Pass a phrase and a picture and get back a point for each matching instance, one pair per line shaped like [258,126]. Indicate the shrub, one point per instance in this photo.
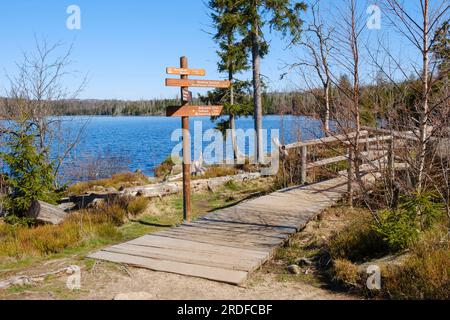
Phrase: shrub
[401,227]
[30,175]
[397,228]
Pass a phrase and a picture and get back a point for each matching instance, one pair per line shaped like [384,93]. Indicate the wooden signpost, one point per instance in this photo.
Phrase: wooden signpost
[186,71]
[185,111]
[194,111]
[197,83]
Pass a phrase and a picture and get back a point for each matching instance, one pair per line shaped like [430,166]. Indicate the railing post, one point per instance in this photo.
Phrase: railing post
[350,176]
[391,161]
[304,157]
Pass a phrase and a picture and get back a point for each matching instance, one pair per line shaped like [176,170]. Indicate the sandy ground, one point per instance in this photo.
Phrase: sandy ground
[157,285]
[106,281]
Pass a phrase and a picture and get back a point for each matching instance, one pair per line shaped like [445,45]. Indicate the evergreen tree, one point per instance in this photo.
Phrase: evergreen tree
[441,49]
[233,55]
[30,176]
[280,15]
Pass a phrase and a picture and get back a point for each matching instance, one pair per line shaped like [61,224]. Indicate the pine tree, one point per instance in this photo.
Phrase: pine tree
[30,176]
[282,16]
[233,60]
[441,48]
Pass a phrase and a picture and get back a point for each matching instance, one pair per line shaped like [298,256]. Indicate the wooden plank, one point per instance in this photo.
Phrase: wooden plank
[185,71]
[211,273]
[374,139]
[273,204]
[227,233]
[276,207]
[338,138]
[255,241]
[221,242]
[210,227]
[266,231]
[160,241]
[192,256]
[198,83]
[263,219]
[326,162]
[194,111]
[259,219]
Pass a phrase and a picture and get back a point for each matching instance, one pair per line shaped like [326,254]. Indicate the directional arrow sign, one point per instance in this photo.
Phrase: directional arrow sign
[194,111]
[197,83]
[186,72]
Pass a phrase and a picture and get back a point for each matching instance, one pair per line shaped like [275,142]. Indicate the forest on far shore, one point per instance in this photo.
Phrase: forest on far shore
[303,103]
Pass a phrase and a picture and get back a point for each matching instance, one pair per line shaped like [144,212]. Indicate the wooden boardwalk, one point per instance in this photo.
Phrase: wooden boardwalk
[227,245]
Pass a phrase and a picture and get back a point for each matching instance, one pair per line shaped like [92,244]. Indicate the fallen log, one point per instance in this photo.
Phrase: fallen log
[169,188]
[46,213]
[153,191]
[31,280]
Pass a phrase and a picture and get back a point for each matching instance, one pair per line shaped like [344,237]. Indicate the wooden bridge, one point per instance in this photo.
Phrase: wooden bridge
[229,244]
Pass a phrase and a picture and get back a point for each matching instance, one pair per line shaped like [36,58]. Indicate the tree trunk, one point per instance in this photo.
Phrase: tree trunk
[356,111]
[327,110]
[257,93]
[232,116]
[233,136]
[424,113]
[46,213]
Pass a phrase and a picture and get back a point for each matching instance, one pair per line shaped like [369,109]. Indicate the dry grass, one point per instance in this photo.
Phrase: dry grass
[20,242]
[425,274]
[218,171]
[78,229]
[345,272]
[137,206]
[165,168]
[358,242]
[116,181]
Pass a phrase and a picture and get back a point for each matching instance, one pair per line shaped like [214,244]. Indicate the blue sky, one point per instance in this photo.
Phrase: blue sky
[123,46]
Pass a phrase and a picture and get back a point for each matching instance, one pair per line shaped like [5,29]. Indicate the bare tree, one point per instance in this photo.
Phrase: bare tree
[32,100]
[421,34]
[318,44]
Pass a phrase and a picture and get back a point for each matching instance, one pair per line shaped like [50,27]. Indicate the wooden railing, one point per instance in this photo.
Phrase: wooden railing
[346,140]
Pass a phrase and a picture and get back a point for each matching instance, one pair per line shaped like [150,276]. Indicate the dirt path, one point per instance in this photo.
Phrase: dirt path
[166,286]
[105,282]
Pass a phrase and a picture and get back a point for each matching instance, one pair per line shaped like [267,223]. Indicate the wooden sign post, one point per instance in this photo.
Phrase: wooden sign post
[185,111]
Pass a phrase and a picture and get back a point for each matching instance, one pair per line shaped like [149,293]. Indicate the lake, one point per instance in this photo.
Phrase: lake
[132,143]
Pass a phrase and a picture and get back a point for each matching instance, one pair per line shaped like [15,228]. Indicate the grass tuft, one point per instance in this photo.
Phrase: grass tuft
[137,206]
[116,181]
